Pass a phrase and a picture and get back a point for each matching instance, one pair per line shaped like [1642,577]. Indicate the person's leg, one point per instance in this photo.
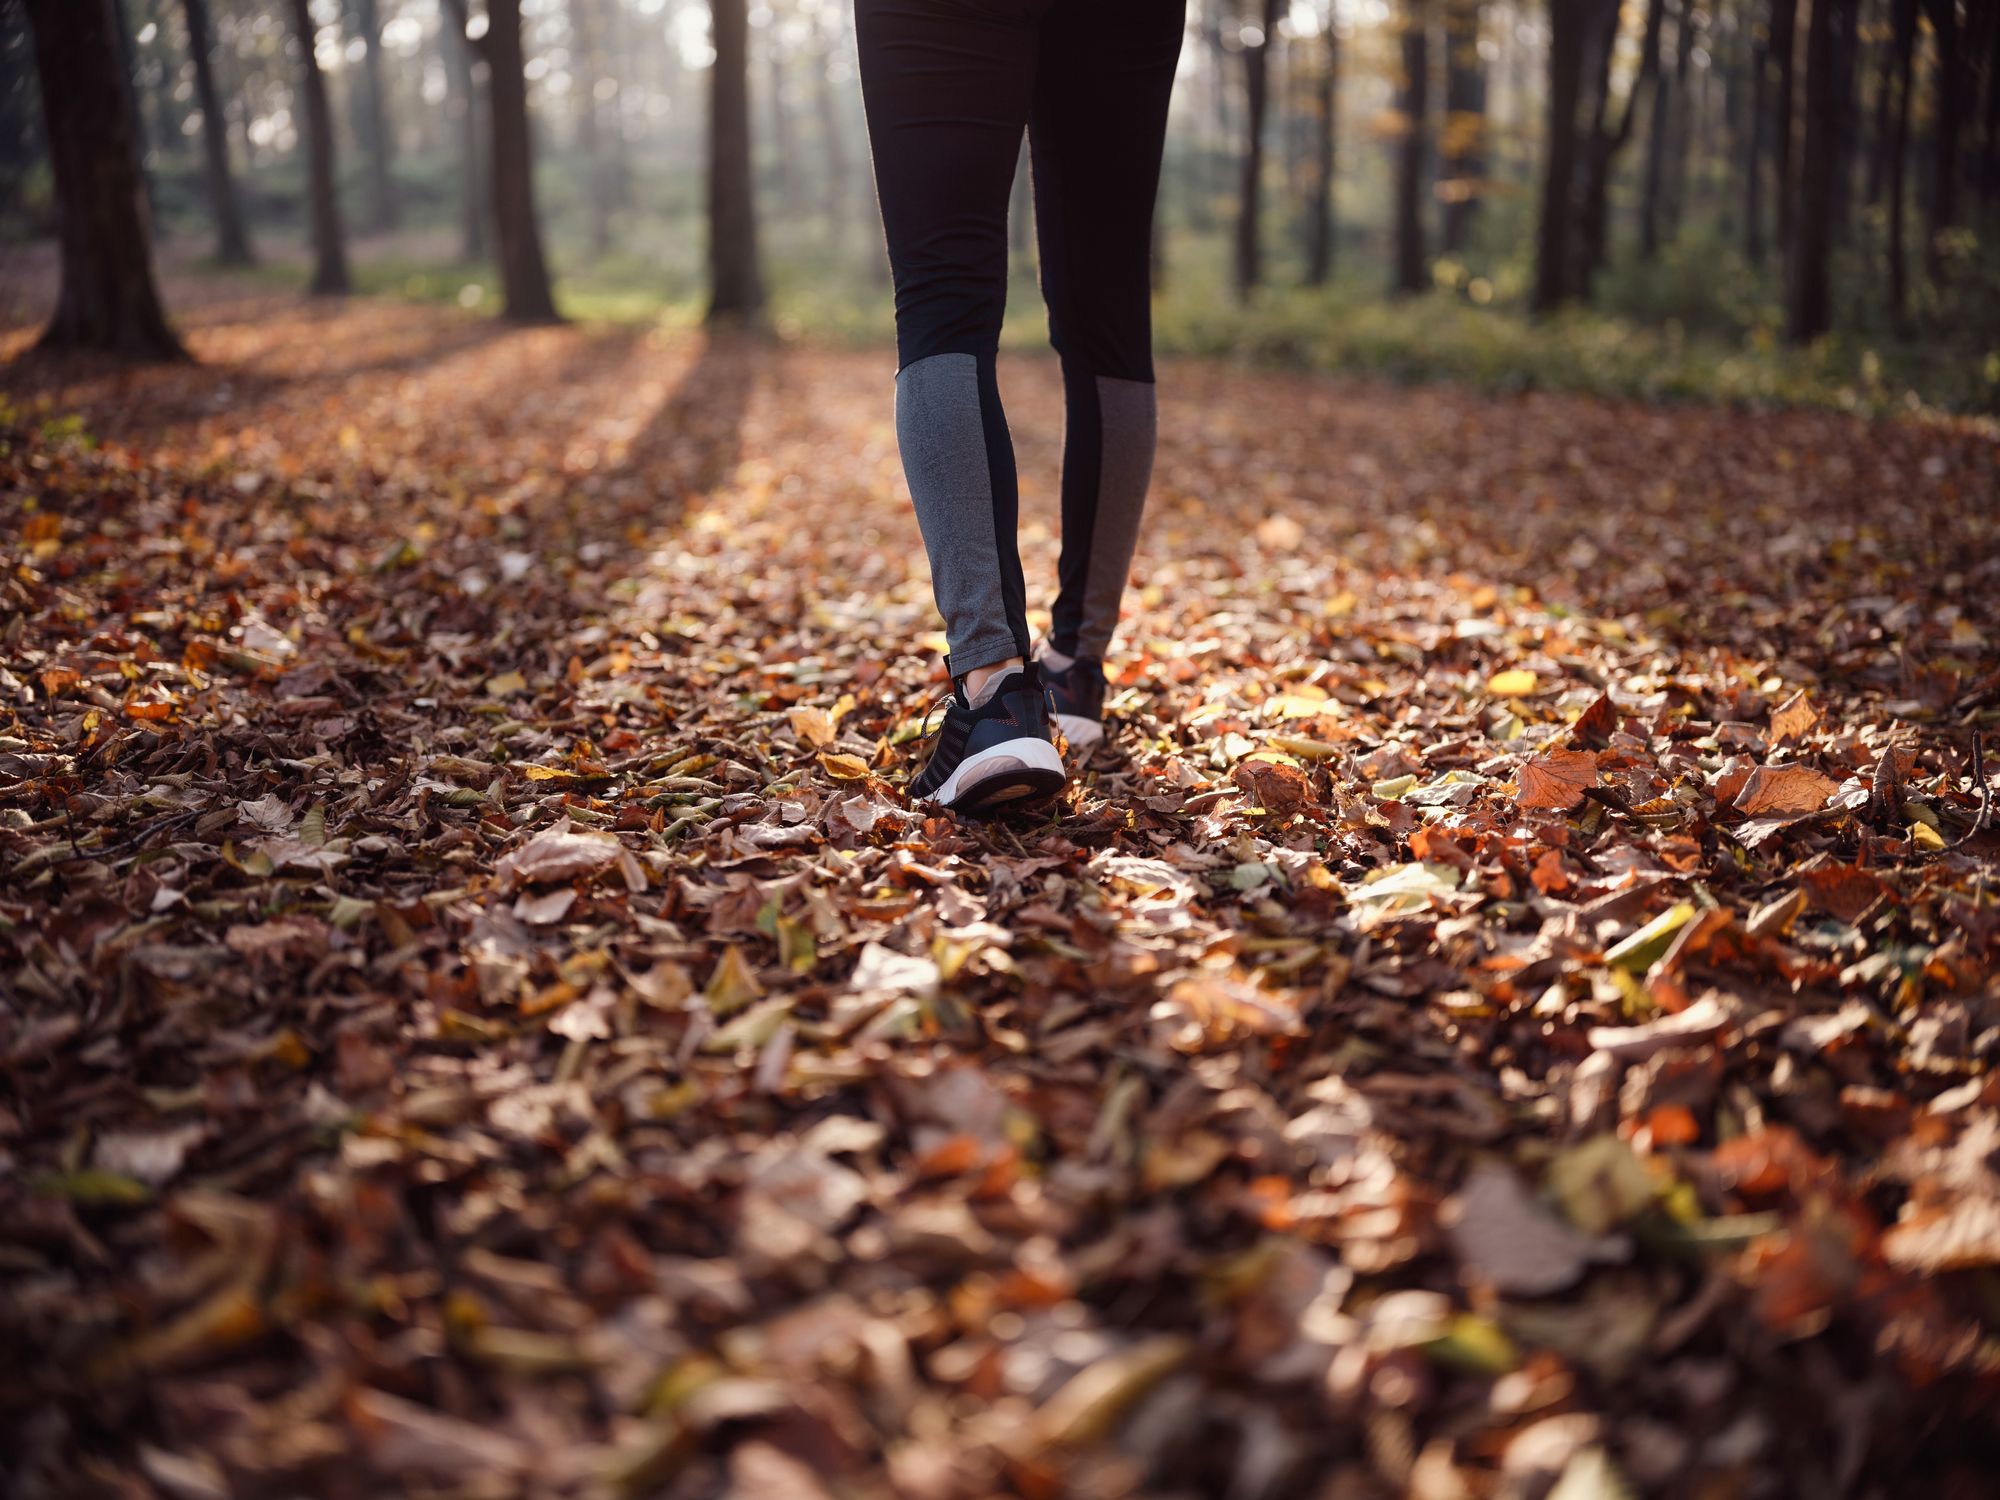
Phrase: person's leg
[1096,132]
[946,85]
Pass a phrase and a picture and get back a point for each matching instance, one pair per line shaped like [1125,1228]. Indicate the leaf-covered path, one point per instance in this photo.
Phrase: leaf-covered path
[1514,1004]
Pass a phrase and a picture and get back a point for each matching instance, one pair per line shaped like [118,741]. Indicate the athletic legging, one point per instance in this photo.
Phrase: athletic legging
[949,87]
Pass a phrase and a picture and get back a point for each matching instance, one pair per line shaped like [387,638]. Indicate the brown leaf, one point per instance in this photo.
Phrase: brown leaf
[1785,791]
[1556,780]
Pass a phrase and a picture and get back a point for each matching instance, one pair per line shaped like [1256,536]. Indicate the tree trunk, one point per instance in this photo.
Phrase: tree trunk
[1945,127]
[1604,140]
[1753,169]
[1414,106]
[1878,139]
[108,300]
[590,67]
[1808,292]
[128,82]
[1250,188]
[736,282]
[475,208]
[372,119]
[232,243]
[524,274]
[1905,45]
[1464,122]
[1681,122]
[1784,31]
[329,277]
[1656,157]
[1568,21]
[833,141]
[1319,210]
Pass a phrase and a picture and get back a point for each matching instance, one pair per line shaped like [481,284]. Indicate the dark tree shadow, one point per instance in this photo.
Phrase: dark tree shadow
[692,443]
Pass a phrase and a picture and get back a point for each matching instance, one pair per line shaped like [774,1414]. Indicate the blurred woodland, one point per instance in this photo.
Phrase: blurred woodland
[1508,1013]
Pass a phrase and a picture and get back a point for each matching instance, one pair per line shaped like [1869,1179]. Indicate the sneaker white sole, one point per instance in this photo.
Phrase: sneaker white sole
[1083,734]
[1023,757]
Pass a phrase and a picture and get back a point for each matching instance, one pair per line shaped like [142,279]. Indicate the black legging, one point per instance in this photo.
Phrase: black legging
[949,87]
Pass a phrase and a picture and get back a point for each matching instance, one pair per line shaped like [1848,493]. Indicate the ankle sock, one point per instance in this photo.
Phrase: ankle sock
[993,685]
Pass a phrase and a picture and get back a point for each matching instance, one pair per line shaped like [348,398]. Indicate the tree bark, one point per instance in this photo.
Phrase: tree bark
[1249,264]
[372,118]
[524,274]
[833,141]
[1656,158]
[1681,121]
[1753,168]
[1905,45]
[475,209]
[736,281]
[108,300]
[1568,21]
[232,242]
[1945,127]
[1603,140]
[1412,271]
[590,67]
[1464,122]
[1784,37]
[1319,209]
[1808,291]
[329,278]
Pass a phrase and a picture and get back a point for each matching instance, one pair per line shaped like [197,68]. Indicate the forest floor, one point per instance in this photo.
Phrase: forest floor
[1511,1010]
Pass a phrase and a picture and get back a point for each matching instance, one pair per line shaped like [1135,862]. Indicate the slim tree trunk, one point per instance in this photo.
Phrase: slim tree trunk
[1464,122]
[1681,121]
[1656,159]
[1753,167]
[372,116]
[329,278]
[1784,37]
[524,274]
[736,281]
[1319,210]
[1250,189]
[590,68]
[833,141]
[1603,139]
[1568,21]
[1905,44]
[1808,292]
[232,243]
[1885,102]
[108,300]
[1414,106]
[1945,127]
[475,210]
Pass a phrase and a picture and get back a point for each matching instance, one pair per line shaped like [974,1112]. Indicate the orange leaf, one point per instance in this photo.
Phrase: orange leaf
[1794,717]
[1556,780]
[1845,891]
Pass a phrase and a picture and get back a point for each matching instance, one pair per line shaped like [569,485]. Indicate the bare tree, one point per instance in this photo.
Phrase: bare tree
[1947,123]
[462,66]
[1413,103]
[1569,25]
[1249,262]
[232,241]
[1603,139]
[1808,290]
[329,278]
[1319,206]
[524,274]
[371,119]
[1904,45]
[1463,143]
[736,281]
[108,300]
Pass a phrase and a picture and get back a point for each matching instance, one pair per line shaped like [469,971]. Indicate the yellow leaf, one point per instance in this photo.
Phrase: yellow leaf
[1926,836]
[733,985]
[813,725]
[506,685]
[1515,682]
[843,767]
[547,773]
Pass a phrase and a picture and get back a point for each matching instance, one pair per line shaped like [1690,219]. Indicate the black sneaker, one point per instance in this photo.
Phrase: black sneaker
[1078,693]
[997,755]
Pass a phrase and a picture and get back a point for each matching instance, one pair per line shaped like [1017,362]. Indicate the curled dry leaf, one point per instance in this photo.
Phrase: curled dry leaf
[553,855]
